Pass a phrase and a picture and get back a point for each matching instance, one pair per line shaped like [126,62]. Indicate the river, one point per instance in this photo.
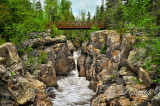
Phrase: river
[72,90]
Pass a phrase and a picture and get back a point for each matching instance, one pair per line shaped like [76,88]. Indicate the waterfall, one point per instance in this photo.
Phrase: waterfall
[72,90]
[76,55]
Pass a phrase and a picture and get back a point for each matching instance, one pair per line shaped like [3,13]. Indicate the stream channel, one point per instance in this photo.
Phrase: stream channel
[73,90]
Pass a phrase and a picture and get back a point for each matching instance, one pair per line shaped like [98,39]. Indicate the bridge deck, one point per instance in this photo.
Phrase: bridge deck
[78,24]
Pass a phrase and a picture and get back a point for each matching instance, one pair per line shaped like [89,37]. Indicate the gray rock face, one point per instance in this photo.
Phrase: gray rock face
[57,51]
[37,42]
[47,74]
[8,54]
[58,54]
[124,101]
[104,76]
[144,77]
[87,65]
[17,89]
[97,39]
[33,35]
[125,72]
[112,92]
[70,46]
[81,65]
[128,41]
[130,80]
[121,64]
[18,85]
[156,100]
[134,57]
[157,90]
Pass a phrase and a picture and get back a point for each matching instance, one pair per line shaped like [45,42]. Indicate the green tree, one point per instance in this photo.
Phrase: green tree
[89,16]
[102,12]
[5,17]
[66,11]
[83,15]
[51,7]
[98,13]
[136,16]
[112,6]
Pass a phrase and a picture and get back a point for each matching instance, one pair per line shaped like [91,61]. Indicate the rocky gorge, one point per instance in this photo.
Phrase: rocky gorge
[108,60]
[112,62]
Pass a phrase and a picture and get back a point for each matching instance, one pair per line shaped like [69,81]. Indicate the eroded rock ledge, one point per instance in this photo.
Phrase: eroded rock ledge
[117,76]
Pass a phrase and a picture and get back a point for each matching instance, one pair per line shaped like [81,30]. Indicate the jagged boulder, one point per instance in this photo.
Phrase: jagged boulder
[130,80]
[155,101]
[145,77]
[113,42]
[85,47]
[88,66]
[33,35]
[112,92]
[128,41]
[46,73]
[17,87]
[98,39]
[125,72]
[23,90]
[124,101]
[70,46]
[135,59]
[58,54]
[81,65]
[8,54]
[37,42]
[104,76]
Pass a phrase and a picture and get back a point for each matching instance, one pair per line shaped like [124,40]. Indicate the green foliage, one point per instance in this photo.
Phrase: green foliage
[135,15]
[55,32]
[21,52]
[86,33]
[56,10]
[147,64]
[18,18]
[157,80]
[28,50]
[4,17]
[2,41]
[13,73]
[137,58]
[83,34]
[94,28]
[137,81]
[42,59]
[30,61]
[103,49]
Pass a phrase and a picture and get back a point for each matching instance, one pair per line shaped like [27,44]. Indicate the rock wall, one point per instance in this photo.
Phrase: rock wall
[24,78]
[15,87]
[117,76]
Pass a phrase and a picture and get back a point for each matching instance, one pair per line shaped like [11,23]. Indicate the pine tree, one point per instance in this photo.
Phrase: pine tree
[111,7]
[89,16]
[98,14]
[83,15]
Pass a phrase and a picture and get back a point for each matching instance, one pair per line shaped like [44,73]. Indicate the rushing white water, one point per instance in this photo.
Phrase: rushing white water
[72,90]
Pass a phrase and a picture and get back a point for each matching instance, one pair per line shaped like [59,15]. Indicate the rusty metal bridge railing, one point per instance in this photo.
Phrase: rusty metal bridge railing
[78,24]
